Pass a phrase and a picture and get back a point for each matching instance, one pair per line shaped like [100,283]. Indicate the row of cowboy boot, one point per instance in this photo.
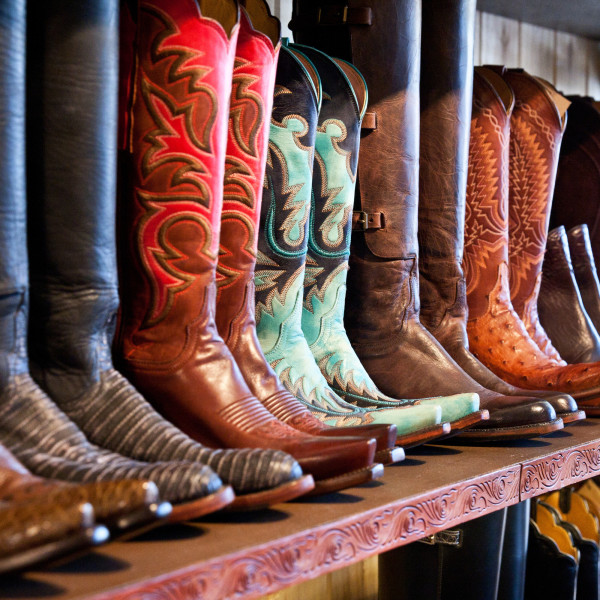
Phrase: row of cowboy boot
[516,130]
[32,426]
[304,246]
[382,306]
[187,202]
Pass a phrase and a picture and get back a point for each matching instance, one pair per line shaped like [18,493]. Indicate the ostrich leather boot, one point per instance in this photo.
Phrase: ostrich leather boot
[446,97]
[343,461]
[497,336]
[560,306]
[171,204]
[584,267]
[577,190]
[282,249]
[32,426]
[337,143]
[382,304]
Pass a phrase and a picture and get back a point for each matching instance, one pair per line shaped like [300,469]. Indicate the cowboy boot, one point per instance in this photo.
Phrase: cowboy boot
[282,246]
[334,175]
[536,126]
[462,563]
[37,532]
[584,267]
[40,435]
[514,552]
[123,506]
[168,343]
[446,98]
[497,336]
[382,304]
[560,306]
[343,461]
[576,197]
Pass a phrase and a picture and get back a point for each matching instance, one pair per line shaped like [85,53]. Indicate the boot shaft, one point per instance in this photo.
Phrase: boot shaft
[248,135]
[536,128]
[172,206]
[389,32]
[446,89]
[486,219]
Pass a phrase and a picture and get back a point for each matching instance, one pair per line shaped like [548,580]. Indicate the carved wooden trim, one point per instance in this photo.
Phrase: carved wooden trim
[558,470]
[283,562]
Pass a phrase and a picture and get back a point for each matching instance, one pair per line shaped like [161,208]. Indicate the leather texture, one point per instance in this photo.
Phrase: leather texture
[536,128]
[401,571]
[168,342]
[576,198]
[110,499]
[282,249]
[584,267]
[560,305]
[550,573]
[35,524]
[497,336]
[252,98]
[382,303]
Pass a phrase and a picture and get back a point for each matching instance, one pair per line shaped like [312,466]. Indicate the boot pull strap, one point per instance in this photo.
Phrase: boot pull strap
[369,121]
[363,221]
[335,15]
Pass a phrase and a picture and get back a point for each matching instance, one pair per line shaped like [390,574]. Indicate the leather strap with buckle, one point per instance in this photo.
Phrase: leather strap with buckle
[363,221]
[449,537]
[334,15]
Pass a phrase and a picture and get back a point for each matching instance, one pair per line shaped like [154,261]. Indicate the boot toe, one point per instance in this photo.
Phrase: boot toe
[455,407]
[526,414]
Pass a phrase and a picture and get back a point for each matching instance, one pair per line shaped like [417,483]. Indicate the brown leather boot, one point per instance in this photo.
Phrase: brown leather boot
[121,505]
[560,306]
[382,306]
[335,463]
[497,336]
[446,98]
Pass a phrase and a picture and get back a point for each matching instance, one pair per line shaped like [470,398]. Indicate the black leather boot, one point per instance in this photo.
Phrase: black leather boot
[458,564]
[514,552]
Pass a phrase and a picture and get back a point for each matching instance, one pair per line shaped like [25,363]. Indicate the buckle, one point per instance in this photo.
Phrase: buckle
[332,15]
[449,537]
[362,221]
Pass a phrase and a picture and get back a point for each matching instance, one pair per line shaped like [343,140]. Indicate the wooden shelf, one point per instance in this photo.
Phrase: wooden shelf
[252,554]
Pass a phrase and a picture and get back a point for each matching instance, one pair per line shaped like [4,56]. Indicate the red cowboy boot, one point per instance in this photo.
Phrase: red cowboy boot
[168,341]
[497,335]
[344,461]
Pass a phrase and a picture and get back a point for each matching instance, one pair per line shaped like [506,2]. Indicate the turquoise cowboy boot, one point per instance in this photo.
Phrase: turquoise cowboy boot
[282,247]
[337,144]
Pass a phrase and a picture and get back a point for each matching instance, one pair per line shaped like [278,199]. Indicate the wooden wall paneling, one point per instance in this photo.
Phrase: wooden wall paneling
[593,69]
[537,50]
[570,61]
[499,40]
[477,42]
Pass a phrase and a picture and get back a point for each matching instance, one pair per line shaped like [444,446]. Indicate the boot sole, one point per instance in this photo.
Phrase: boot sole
[389,456]
[139,521]
[202,506]
[574,416]
[591,412]
[522,432]
[422,436]
[347,480]
[266,498]
[465,422]
[58,552]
